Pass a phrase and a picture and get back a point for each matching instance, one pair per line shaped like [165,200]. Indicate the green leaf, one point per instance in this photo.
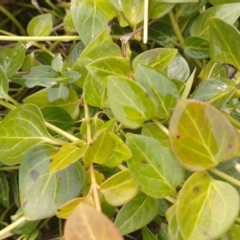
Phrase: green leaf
[158,9]
[178,68]
[119,188]
[102,68]
[227,12]
[162,88]
[95,93]
[213,70]
[91,18]
[41,25]
[4,194]
[57,116]
[147,234]
[130,102]
[29,62]
[218,2]
[233,233]
[173,226]
[120,152]
[137,213]
[151,130]
[43,192]
[57,63]
[223,41]
[216,91]
[196,47]
[198,207]
[42,75]
[66,155]
[55,93]
[100,149]
[71,105]
[3,84]
[187,9]
[11,59]
[158,58]
[162,34]
[153,166]
[27,130]
[201,136]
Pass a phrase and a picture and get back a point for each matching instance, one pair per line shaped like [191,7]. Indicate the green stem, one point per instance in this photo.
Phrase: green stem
[87,120]
[161,126]
[225,176]
[171,199]
[12,226]
[233,121]
[7,105]
[9,98]
[176,27]
[13,19]
[9,168]
[64,134]
[38,38]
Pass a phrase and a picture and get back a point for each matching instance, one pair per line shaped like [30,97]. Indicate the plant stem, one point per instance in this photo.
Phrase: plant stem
[63,133]
[233,121]
[7,105]
[9,168]
[161,126]
[14,20]
[225,176]
[12,226]
[176,27]
[94,185]
[38,38]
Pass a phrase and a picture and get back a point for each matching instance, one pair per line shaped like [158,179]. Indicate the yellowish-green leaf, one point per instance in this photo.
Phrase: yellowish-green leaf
[201,136]
[119,188]
[206,208]
[66,155]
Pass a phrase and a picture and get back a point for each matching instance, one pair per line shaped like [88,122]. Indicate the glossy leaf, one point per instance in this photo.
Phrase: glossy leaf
[158,58]
[27,130]
[103,68]
[43,192]
[100,149]
[40,25]
[94,92]
[162,34]
[158,9]
[178,68]
[223,41]
[66,155]
[40,98]
[227,12]
[130,102]
[4,190]
[119,189]
[153,166]
[196,47]
[147,234]
[57,116]
[216,91]
[11,59]
[3,84]
[88,223]
[162,88]
[137,213]
[91,18]
[198,207]
[201,136]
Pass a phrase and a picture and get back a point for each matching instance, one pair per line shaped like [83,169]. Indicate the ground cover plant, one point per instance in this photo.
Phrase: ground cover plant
[120,119]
